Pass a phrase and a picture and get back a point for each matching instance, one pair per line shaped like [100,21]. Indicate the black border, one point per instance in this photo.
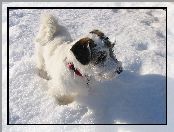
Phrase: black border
[8,9]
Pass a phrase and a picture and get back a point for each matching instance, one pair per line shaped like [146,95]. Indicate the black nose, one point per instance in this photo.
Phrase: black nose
[120,70]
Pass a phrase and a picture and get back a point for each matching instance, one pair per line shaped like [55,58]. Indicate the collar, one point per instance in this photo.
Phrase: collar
[75,70]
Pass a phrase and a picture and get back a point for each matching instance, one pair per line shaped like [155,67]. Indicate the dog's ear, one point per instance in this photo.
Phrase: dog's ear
[81,50]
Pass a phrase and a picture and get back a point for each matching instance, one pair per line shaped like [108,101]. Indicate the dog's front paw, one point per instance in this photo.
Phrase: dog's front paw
[64,99]
[43,74]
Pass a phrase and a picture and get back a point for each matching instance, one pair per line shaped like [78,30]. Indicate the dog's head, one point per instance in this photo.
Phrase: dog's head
[96,50]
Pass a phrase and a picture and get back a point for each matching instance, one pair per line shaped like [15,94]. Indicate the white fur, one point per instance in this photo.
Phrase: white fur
[52,50]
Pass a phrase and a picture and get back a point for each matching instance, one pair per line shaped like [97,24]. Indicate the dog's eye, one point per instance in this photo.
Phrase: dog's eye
[107,43]
[101,57]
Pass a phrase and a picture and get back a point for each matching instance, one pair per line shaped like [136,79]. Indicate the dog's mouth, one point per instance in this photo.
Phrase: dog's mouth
[102,77]
[108,76]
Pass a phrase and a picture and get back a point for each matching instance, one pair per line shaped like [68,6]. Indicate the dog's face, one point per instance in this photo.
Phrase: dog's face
[96,50]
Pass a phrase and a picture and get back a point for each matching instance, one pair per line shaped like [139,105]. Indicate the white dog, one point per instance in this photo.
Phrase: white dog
[73,66]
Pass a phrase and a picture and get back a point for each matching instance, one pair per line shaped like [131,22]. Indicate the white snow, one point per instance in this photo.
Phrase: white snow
[136,96]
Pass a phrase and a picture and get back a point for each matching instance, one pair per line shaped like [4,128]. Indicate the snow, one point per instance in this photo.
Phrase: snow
[137,96]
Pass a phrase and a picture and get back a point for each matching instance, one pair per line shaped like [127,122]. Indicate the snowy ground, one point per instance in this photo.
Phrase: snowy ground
[137,96]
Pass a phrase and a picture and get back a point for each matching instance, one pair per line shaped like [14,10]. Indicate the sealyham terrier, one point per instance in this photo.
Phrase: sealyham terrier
[73,67]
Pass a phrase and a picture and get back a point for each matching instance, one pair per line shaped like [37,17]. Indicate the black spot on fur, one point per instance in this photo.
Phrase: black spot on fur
[98,33]
[81,50]
[102,36]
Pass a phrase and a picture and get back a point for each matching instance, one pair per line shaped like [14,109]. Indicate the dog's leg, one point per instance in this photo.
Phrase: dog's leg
[40,63]
[39,57]
[64,99]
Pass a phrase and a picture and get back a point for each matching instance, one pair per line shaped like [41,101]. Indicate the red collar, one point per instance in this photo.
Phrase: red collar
[76,71]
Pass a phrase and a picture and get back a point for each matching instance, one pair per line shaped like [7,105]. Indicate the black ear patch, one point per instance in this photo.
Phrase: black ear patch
[98,33]
[81,50]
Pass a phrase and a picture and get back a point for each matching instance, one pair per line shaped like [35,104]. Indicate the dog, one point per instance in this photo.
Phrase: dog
[72,67]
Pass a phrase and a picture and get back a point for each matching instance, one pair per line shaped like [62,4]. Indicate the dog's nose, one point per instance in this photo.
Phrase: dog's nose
[119,70]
